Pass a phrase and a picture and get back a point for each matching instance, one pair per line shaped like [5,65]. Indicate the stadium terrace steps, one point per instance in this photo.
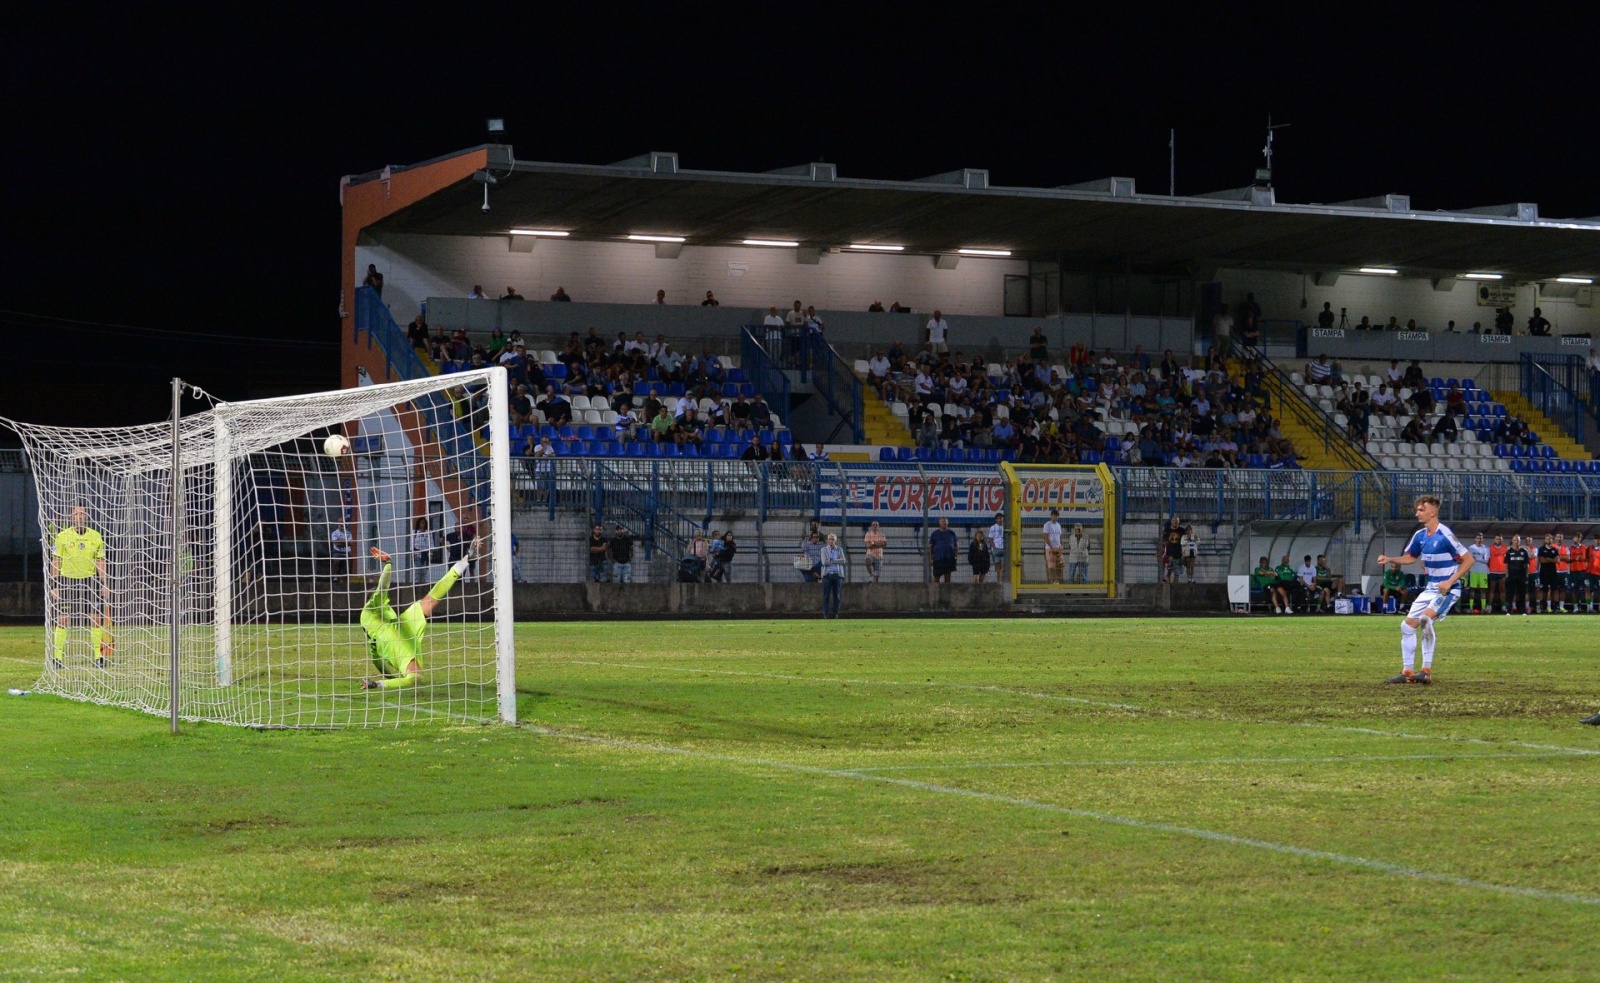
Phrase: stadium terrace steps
[882,427]
[1308,444]
[1549,432]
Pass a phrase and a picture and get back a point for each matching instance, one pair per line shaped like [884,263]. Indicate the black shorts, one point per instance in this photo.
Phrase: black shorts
[1551,580]
[77,597]
[943,567]
[1495,578]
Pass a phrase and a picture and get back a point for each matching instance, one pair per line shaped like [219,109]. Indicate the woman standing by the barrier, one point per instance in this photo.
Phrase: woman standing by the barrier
[832,576]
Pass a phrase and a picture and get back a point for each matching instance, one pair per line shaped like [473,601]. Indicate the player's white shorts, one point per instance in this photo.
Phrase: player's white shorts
[1430,598]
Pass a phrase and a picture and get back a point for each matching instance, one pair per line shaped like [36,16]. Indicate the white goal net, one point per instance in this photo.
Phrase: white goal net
[256,554]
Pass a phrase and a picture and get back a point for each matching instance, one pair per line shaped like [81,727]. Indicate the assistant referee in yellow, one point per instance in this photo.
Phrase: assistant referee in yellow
[77,568]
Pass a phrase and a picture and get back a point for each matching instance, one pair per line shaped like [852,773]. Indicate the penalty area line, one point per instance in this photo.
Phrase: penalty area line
[1083,701]
[1191,832]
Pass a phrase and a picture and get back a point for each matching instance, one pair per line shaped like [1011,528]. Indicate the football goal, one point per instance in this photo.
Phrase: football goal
[337,559]
[1081,501]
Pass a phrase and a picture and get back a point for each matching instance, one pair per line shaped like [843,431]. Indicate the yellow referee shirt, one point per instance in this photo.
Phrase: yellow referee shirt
[78,552]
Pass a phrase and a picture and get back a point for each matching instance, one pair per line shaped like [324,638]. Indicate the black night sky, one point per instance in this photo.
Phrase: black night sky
[178,175]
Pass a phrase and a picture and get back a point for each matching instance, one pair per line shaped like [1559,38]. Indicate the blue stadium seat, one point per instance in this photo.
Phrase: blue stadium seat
[786,438]
[1546,451]
[736,375]
[556,371]
[747,390]
[586,432]
[1519,466]
[1009,454]
[732,450]
[1452,382]
[1564,467]
[1255,460]
[1091,457]
[1436,383]
[641,388]
[886,453]
[563,448]
[633,449]
[903,453]
[941,455]
[1469,384]
[730,389]
[676,389]
[565,432]
[653,374]
[991,456]
[1499,410]
[688,450]
[766,436]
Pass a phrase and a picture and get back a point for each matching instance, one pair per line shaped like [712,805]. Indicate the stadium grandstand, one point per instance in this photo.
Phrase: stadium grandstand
[708,357]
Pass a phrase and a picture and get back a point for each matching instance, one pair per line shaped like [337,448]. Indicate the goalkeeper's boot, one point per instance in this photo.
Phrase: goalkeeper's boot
[56,663]
[1593,720]
[1406,676]
[1423,676]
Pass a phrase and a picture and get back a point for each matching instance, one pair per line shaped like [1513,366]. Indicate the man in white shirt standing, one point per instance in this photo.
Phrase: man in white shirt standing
[1054,555]
[938,333]
[1078,555]
[773,323]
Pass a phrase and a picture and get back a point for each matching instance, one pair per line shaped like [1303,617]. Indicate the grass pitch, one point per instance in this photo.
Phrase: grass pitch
[1210,799]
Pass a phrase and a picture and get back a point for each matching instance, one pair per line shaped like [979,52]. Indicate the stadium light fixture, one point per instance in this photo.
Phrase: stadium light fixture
[984,252]
[1483,276]
[551,233]
[496,126]
[1378,271]
[873,247]
[656,238]
[784,243]
[1581,281]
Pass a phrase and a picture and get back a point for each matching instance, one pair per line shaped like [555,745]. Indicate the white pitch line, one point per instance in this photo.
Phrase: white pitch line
[1081,701]
[1167,762]
[1381,866]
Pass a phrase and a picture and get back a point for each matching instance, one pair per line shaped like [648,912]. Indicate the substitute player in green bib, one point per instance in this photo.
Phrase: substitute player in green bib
[392,639]
[78,557]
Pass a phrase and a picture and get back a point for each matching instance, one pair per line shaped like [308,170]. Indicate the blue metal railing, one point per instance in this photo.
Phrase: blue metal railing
[837,382]
[374,320]
[761,368]
[1562,388]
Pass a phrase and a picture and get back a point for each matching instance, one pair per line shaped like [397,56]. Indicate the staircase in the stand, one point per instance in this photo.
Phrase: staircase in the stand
[1301,422]
[882,427]
[1565,447]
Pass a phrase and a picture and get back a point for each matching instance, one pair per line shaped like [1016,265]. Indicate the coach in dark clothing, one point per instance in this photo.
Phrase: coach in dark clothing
[1517,561]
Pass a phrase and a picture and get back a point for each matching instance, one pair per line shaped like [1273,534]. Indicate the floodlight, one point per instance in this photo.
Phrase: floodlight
[873,247]
[656,238]
[984,252]
[551,233]
[1483,276]
[785,243]
[1582,281]
[1378,271]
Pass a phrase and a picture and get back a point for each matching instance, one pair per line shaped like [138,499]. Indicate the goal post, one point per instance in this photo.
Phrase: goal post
[1084,496]
[238,526]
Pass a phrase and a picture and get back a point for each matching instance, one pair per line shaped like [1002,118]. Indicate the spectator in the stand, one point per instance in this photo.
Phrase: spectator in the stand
[773,324]
[874,541]
[417,333]
[722,558]
[1395,374]
[521,405]
[661,426]
[796,317]
[477,293]
[557,411]
[711,300]
[1455,402]
[1414,377]
[1538,326]
[1450,328]
[497,343]
[511,294]
[599,547]
[813,320]
[817,454]
[1413,431]
[760,412]
[1411,324]
[1325,316]
[1250,315]
[775,452]
[561,296]
[1393,325]
[1422,399]
[876,307]
[1365,324]
[1221,327]
[1038,345]
[1319,371]
[938,333]
[979,557]
[619,550]
[896,308]
[942,547]
[1445,430]
[373,279]
[1383,400]
[878,371]
[757,451]
[660,298]
[1250,335]
[831,560]
[1504,320]
[897,356]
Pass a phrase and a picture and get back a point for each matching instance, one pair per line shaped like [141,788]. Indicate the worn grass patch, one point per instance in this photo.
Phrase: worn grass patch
[1215,799]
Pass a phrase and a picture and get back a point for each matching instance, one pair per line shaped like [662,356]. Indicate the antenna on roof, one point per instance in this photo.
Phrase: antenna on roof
[1264,174]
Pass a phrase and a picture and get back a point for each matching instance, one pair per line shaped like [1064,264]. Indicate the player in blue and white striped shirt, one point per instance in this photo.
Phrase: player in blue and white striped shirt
[1445,561]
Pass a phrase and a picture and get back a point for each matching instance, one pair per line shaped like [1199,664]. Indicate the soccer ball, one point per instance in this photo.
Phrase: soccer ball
[336,446]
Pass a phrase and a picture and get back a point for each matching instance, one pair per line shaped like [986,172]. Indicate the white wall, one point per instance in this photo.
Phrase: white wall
[416,266]
[1382,297]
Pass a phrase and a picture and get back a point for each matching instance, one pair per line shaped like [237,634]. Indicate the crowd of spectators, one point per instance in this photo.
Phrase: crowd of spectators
[1128,409]
[1504,323]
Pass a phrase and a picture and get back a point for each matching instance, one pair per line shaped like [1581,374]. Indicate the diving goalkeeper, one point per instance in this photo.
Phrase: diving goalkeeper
[392,639]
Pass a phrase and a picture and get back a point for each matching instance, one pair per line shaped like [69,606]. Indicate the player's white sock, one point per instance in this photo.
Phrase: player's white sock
[1428,638]
[1408,646]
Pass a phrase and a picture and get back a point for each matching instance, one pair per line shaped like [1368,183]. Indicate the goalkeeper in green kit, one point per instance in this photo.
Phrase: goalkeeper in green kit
[392,639]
